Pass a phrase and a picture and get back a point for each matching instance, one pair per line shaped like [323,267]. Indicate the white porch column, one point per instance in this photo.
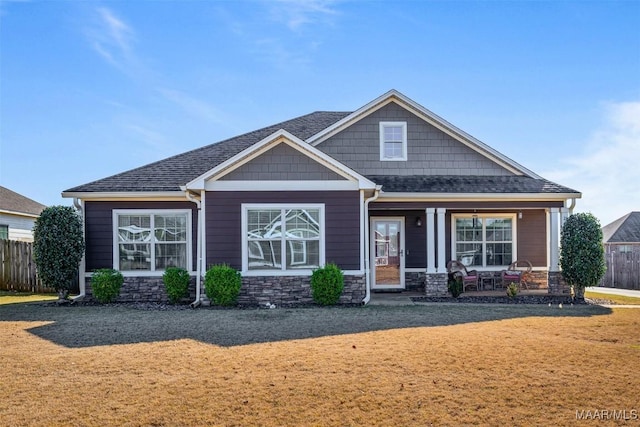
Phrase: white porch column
[442,264]
[431,240]
[554,239]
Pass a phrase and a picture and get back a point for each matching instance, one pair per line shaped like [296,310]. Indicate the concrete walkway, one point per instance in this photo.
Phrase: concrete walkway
[615,291]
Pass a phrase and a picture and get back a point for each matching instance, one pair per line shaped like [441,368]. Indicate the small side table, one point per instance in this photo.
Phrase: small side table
[488,281]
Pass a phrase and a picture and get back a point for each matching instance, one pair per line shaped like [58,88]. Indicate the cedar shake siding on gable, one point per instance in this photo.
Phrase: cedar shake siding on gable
[342,223]
[282,163]
[99,229]
[430,151]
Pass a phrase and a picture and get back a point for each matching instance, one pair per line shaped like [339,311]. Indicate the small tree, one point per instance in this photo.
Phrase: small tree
[582,256]
[58,246]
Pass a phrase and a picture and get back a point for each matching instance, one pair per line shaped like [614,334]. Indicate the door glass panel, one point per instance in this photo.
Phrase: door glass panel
[387,247]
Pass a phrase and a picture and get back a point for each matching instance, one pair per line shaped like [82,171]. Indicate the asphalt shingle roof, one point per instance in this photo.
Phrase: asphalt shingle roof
[171,173]
[467,184]
[623,230]
[12,201]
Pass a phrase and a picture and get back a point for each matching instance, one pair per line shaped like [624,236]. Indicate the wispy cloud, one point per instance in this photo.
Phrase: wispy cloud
[607,171]
[192,106]
[299,13]
[112,38]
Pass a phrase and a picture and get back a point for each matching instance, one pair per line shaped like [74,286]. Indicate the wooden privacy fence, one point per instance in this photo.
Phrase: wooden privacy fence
[623,269]
[18,269]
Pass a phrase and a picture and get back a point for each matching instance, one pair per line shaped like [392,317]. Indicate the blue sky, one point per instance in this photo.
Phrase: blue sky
[90,89]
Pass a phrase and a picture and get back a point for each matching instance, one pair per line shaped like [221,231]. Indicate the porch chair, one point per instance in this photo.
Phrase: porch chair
[469,278]
[517,272]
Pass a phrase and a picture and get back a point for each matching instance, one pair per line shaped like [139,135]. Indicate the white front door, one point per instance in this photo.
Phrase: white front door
[387,253]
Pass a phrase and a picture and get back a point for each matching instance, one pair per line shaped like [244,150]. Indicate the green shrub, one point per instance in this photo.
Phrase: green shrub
[512,290]
[106,284]
[176,283]
[455,286]
[327,284]
[58,246]
[582,255]
[222,284]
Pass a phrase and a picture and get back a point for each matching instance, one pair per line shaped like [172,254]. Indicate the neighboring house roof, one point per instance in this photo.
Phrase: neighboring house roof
[623,230]
[468,184]
[172,173]
[12,202]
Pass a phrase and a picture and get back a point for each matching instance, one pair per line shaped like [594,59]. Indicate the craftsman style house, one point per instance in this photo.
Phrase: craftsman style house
[390,193]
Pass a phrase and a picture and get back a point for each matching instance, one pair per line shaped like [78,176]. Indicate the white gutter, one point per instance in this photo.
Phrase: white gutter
[82,267]
[572,205]
[365,219]
[198,203]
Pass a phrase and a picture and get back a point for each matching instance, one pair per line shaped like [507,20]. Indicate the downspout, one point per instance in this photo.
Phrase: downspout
[81,269]
[573,205]
[367,272]
[198,203]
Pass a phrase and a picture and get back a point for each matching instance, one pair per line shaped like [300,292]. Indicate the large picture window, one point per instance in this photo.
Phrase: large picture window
[147,241]
[484,240]
[283,238]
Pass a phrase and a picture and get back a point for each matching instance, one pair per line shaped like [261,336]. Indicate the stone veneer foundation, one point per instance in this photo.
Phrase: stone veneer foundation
[557,285]
[414,282]
[436,285]
[145,289]
[294,290]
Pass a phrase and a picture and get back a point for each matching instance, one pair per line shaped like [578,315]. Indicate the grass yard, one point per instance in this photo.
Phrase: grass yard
[416,365]
[614,299]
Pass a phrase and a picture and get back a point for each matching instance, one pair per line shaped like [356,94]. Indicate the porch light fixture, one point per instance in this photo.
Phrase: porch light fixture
[418,222]
[475,220]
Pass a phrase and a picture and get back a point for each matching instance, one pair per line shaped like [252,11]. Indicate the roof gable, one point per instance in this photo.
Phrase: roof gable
[431,118]
[12,202]
[280,137]
[623,230]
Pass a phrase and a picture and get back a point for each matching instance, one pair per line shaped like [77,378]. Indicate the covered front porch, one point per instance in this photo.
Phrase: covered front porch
[411,249]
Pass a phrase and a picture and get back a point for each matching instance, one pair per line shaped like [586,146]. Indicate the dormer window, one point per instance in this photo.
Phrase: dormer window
[393,141]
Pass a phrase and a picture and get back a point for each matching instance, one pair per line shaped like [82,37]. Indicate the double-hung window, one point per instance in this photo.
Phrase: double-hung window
[151,241]
[393,141]
[4,232]
[484,240]
[282,237]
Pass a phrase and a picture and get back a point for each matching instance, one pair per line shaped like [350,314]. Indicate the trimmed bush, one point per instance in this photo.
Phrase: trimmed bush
[58,246]
[582,255]
[176,283]
[106,284]
[222,285]
[327,284]
[512,290]
[455,286]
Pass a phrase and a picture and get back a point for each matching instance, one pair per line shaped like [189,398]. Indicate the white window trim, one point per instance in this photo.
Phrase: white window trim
[283,271]
[514,230]
[383,125]
[152,271]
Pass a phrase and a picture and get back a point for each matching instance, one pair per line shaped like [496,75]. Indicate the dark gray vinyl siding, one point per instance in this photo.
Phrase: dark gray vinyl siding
[282,163]
[99,228]
[429,150]
[342,227]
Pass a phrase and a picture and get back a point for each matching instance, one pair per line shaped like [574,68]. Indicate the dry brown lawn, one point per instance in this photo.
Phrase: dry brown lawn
[422,365]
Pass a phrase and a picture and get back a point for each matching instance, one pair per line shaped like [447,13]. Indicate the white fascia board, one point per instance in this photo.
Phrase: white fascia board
[431,118]
[112,196]
[280,185]
[3,211]
[281,136]
[470,197]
